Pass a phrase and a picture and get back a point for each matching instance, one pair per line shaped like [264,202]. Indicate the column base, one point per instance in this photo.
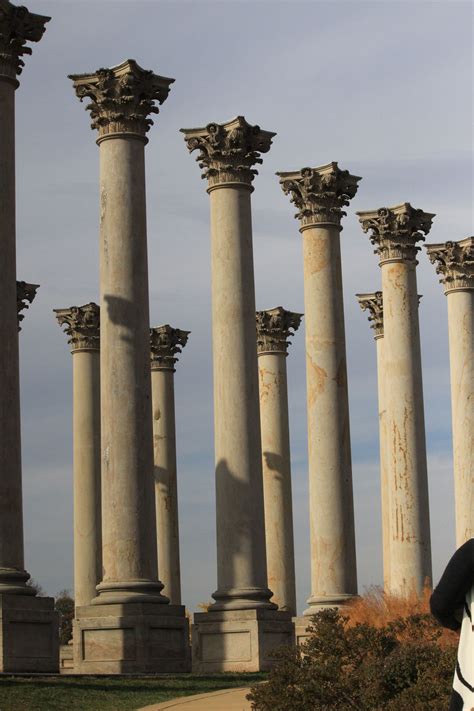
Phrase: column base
[239,640]
[325,602]
[131,638]
[29,634]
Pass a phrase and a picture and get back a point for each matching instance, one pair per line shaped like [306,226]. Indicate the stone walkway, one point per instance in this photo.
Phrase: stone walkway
[224,700]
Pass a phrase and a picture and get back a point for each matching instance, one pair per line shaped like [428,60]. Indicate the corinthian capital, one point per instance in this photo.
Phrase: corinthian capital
[274,327]
[396,230]
[25,294]
[122,98]
[454,263]
[319,194]
[165,343]
[373,303]
[17,27]
[228,151]
[82,326]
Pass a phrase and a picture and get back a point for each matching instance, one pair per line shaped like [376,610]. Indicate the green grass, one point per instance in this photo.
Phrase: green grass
[86,693]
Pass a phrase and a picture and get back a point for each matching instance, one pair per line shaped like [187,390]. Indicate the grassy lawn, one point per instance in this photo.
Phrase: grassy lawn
[55,693]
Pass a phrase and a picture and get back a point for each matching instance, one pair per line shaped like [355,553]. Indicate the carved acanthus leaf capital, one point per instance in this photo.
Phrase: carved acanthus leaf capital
[319,194]
[17,27]
[228,151]
[25,294]
[373,303]
[82,326]
[274,327]
[122,98]
[396,230]
[454,263]
[165,343]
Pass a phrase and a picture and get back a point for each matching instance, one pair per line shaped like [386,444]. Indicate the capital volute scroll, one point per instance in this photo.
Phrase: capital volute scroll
[165,344]
[454,263]
[373,303]
[17,27]
[122,99]
[228,151]
[25,294]
[395,231]
[82,326]
[274,328]
[319,194]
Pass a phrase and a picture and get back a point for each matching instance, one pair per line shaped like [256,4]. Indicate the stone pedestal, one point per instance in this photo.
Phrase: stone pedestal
[122,99]
[165,344]
[274,327]
[455,264]
[395,232]
[82,325]
[319,195]
[133,638]
[228,152]
[29,634]
[239,640]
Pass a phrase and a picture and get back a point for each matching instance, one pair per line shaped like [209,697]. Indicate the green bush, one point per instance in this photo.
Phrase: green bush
[341,667]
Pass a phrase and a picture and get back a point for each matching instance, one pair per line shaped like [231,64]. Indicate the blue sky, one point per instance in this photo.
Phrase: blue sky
[382,87]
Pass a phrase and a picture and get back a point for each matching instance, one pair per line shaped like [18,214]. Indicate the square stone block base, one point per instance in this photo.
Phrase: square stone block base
[29,634]
[301,628]
[131,638]
[239,640]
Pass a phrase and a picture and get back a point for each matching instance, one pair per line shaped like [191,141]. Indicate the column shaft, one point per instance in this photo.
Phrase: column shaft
[333,555]
[461,346]
[87,510]
[410,548]
[384,485]
[241,558]
[273,389]
[128,508]
[166,485]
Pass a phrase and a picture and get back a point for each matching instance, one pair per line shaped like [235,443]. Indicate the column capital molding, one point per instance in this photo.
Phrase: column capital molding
[373,303]
[319,194]
[82,326]
[17,27]
[396,230]
[25,294]
[228,151]
[122,98]
[454,263]
[274,327]
[165,343]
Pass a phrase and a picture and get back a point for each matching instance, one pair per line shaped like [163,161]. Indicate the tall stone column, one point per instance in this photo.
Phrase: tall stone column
[25,647]
[165,344]
[228,152]
[373,303]
[319,195]
[274,327]
[82,326]
[455,265]
[395,232]
[121,101]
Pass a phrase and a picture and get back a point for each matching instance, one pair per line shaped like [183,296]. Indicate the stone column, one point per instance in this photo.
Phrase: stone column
[274,327]
[21,645]
[455,265]
[25,295]
[165,343]
[121,101]
[228,152]
[395,232]
[82,326]
[319,195]
[373,303]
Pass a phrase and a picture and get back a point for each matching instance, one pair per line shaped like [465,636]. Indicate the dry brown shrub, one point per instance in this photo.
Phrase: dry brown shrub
[378,609]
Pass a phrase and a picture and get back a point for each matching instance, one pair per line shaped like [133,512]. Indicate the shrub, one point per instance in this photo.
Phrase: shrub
[64,604]
[345,665]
